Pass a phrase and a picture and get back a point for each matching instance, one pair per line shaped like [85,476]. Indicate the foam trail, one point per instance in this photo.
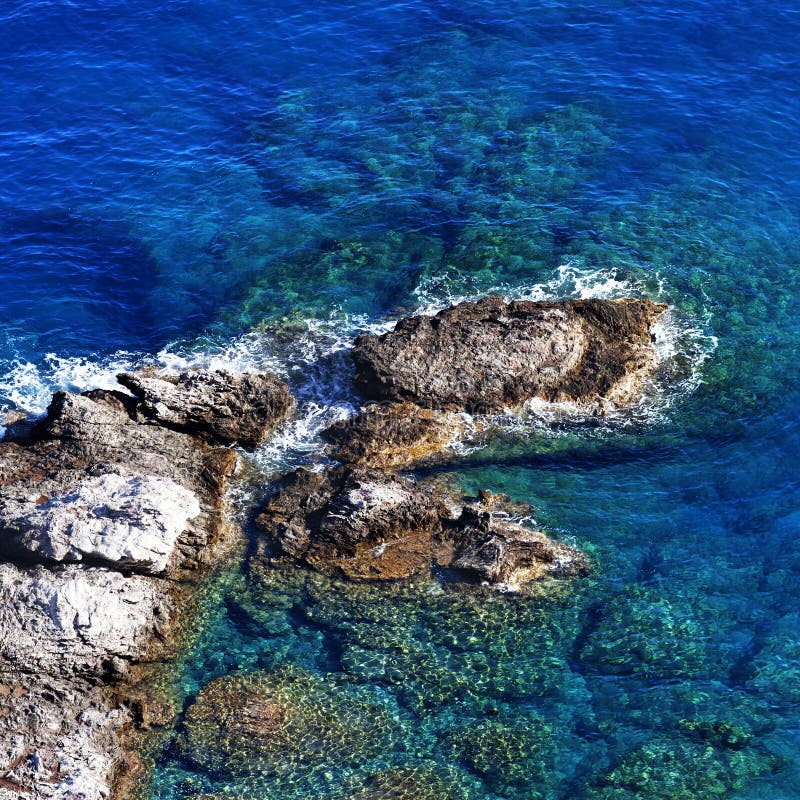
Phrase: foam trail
[28,387]
[314,358]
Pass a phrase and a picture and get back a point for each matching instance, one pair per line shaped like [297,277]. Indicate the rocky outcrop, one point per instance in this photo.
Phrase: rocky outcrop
[508,554]
[129,521]
[360,522]
[110,508]
[491,355]
[222,406]
[395,435]
[366,524]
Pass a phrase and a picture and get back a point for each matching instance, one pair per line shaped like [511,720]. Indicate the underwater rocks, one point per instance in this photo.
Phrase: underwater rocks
[369,525]
[276,722]
[684,768]
[639,632]
[110,511]
[223,406]
[510,755]
[411,782]
[491,355]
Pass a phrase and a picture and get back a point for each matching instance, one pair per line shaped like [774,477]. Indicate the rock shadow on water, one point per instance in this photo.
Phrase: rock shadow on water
[89,276]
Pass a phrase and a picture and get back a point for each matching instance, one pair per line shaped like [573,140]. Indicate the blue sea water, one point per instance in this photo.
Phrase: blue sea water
[183,182]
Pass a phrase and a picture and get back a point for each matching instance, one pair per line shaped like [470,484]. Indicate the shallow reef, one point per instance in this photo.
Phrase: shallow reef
[280,722]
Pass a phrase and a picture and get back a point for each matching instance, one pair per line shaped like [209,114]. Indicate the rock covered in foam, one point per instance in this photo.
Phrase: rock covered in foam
[221,405]
[491,354]
[130,521]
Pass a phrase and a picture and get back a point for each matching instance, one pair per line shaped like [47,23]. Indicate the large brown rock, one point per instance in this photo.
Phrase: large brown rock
[365,524]
[220,405]
[360,522]
[492,354]
[395,435]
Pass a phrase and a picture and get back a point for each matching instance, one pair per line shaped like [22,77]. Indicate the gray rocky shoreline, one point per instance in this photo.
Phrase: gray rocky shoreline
[112,510]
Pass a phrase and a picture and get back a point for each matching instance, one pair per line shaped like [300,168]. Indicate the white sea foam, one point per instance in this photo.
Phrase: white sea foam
[29,387]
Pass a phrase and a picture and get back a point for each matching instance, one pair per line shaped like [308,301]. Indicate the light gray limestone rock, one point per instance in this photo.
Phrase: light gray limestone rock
[129,521]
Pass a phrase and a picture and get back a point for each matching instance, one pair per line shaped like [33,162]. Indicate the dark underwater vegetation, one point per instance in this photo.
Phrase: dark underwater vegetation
[251,184]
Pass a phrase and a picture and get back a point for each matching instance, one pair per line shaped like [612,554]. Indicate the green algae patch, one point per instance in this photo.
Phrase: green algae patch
[514,756]
[667,768]
[278,722]
[422,781]
[641,633]
[428,647]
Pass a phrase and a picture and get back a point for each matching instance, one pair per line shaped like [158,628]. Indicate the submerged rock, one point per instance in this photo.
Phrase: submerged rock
[507,754]
[680,768]
[367,524]
[639,632]
[229,407]
[281,721]
[412,782]
[492,354]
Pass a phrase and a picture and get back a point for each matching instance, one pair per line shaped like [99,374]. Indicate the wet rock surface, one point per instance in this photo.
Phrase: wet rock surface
[361,522]
[492,354]
[371,525]
[493,551]
[218,404]
[395,435]
[110,509]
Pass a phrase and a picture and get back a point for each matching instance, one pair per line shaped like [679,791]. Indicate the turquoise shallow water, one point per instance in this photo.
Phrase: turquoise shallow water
[181,180]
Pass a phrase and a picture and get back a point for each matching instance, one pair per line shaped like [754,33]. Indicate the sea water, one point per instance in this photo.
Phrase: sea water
[250,185]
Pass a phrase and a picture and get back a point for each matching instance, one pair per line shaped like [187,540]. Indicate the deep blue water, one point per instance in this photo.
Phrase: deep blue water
[181,178]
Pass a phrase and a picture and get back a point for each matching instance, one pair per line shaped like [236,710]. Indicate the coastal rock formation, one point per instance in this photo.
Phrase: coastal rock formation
[222,406]
[369,525]
[109,509]
[78,620]
[394,435]
[130,522]
[363,522]
[508,554]
[491,355]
